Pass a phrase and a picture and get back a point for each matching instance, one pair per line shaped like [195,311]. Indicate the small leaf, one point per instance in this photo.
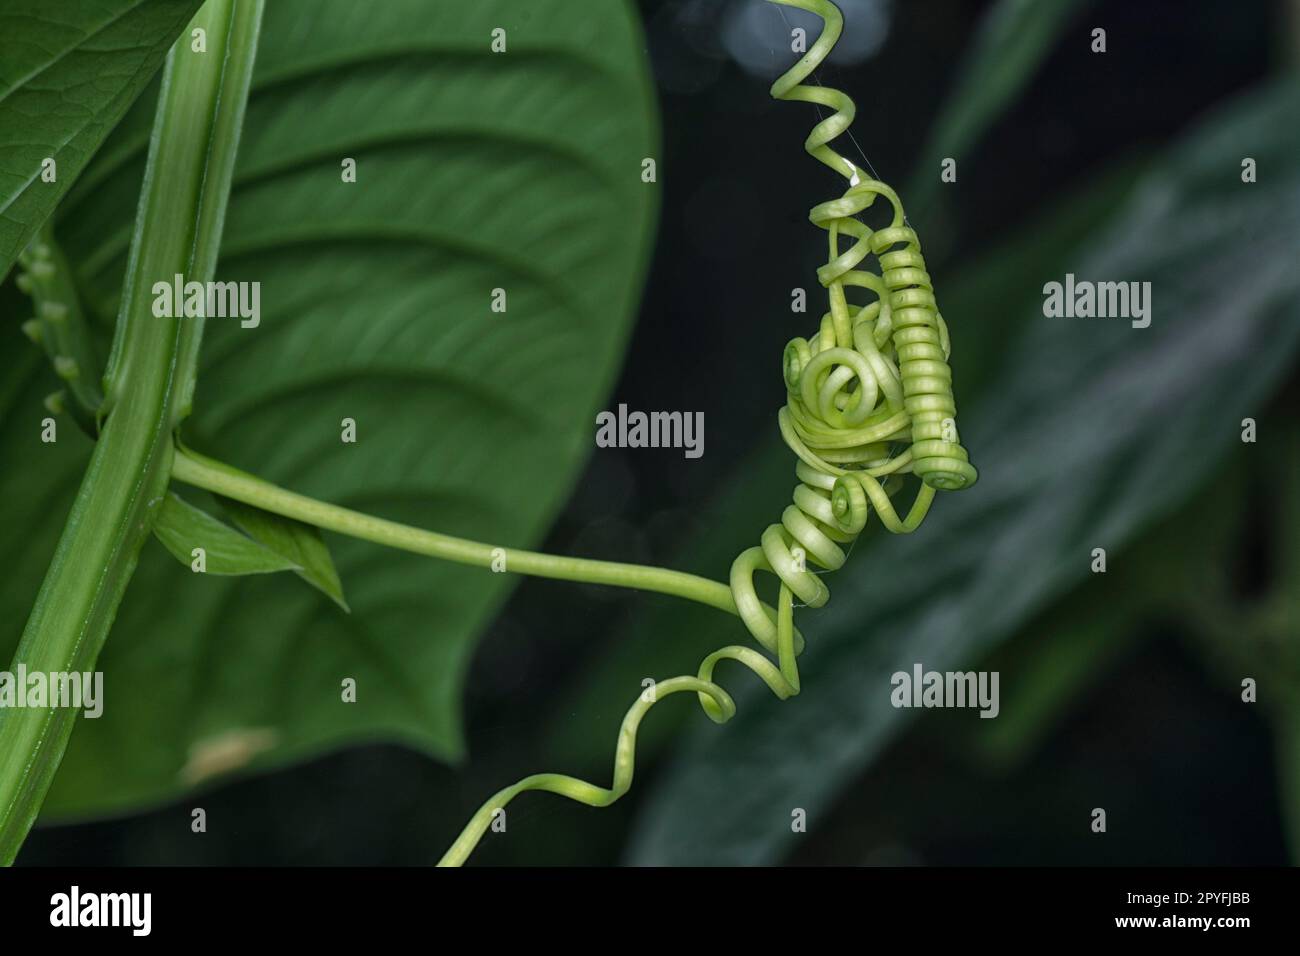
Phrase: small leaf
[181,528]
[295,541]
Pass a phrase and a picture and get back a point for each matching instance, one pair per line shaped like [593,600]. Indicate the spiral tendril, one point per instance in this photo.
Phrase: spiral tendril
[869,400]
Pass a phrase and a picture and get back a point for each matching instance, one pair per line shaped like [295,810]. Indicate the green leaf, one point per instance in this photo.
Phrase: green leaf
[475,171]
[68,72]
[182,528]
[295,541]
[1094,431]
[1013,39]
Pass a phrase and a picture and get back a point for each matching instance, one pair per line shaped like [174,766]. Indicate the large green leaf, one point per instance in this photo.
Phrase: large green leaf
[475,171]
[69,69]
[1094,430]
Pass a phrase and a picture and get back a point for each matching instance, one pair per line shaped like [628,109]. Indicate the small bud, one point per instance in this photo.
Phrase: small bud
[32,329]
[54,403]
[54,311]
[66,367]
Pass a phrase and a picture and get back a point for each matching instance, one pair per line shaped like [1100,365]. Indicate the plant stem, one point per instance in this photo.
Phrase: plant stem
[182,204]
[222,479]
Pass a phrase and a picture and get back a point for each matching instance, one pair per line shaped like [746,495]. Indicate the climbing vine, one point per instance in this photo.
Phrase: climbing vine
[869,402]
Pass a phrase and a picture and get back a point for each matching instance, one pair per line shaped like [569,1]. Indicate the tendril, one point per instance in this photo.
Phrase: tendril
[869,401]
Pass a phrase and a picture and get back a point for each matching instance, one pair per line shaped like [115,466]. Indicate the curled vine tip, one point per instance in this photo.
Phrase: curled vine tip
[869,364]
[869,402]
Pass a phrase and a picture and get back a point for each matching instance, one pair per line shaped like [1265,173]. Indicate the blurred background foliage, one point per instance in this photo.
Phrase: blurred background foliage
[1119,690]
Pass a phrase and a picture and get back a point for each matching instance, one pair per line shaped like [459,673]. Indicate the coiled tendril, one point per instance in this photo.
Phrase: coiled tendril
[869,400]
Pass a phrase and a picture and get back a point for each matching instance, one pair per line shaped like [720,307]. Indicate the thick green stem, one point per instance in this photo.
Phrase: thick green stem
[222,479]
[150,375]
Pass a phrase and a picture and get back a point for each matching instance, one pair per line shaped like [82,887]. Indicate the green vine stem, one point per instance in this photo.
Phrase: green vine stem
[150,375]
[194,469]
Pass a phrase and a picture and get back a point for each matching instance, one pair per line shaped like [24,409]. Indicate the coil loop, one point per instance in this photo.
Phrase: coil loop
[868,401]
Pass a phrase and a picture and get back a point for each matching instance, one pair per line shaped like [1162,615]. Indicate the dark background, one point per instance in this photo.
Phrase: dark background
[733,241]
